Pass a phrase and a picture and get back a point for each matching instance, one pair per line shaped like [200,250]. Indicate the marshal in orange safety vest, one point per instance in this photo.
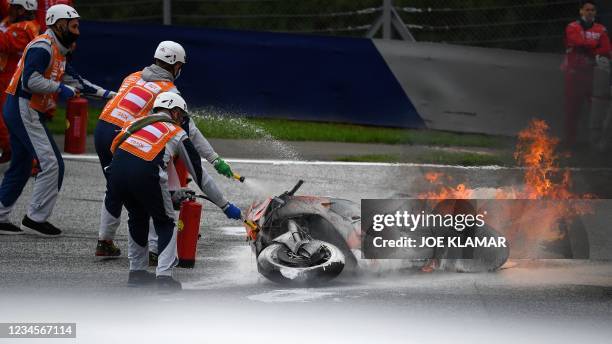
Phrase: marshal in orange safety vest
[134,99]
[148,142]
[14,37]
[41,78]
[138,178]
[16,31]
[42,102]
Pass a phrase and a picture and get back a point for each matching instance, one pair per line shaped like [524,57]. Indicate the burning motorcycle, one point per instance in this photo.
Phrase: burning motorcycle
[311,239]
[302,239]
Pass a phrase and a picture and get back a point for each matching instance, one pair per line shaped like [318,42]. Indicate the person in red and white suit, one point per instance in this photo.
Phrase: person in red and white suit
[586,41]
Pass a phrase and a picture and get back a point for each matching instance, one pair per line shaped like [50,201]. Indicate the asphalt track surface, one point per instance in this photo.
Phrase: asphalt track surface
[226,300]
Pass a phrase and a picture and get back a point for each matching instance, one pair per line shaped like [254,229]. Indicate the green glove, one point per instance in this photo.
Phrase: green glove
[223,168]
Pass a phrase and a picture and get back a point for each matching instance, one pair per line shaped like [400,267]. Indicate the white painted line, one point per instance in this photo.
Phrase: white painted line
[93,157]
[80,157]
[348,163]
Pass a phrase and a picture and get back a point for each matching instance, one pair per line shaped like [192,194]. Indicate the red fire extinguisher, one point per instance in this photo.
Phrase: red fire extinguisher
[76,125]
[188,232]
[181,171]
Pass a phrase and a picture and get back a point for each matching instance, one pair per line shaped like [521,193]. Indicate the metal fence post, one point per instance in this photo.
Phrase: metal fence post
[167,12]
[386,19]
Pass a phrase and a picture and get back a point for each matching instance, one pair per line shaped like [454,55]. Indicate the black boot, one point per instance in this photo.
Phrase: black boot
[8,228]
[107,249]
[140,278]
[44,229]
[168,283]
[153,258]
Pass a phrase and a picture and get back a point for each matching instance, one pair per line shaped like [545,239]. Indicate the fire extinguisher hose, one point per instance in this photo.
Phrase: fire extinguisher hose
[249,223]
[204,197]
[137,125]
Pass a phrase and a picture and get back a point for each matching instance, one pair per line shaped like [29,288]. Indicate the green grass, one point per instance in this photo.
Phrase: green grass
[441,158]
[290,130]
[223,127]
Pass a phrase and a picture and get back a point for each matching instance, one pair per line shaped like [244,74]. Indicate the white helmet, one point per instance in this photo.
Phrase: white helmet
[29,5]
[57,12]
[169,100]
[170,52]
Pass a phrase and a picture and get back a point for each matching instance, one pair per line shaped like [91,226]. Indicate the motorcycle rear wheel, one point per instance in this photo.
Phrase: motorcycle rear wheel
[280,271]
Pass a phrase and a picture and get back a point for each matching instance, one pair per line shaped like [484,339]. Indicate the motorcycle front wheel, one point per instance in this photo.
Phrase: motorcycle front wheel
[278,264]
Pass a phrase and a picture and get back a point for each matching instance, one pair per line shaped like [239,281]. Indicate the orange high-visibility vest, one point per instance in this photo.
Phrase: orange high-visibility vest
[18,35]
[147,142]
[134,99]
[44,103]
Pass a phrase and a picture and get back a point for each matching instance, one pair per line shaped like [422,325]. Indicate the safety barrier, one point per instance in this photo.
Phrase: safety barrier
[362,81]
[256,73]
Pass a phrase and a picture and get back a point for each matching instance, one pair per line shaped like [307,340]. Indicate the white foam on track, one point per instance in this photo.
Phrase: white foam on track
[291,295]
[233,231]
[241,270]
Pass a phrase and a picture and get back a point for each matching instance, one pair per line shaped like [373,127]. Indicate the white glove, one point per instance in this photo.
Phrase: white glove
[105,94]
[179,196]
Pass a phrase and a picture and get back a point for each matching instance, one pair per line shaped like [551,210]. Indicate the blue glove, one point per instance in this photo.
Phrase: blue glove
[232,211]
[66,92]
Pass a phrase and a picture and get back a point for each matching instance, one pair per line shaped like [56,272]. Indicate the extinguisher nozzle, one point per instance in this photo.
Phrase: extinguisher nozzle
[239,178]
[250,223]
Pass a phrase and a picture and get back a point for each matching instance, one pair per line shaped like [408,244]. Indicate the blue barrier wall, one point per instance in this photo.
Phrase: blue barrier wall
[257,73]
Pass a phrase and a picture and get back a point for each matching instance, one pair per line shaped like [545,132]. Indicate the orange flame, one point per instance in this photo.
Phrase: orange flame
[536,150]
[543,180]
[460,191]
[433,177]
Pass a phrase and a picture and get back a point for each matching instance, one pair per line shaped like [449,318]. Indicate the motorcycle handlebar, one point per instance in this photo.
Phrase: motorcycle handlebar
[295,188]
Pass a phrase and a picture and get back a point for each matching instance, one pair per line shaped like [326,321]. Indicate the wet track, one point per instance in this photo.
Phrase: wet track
[224,296]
